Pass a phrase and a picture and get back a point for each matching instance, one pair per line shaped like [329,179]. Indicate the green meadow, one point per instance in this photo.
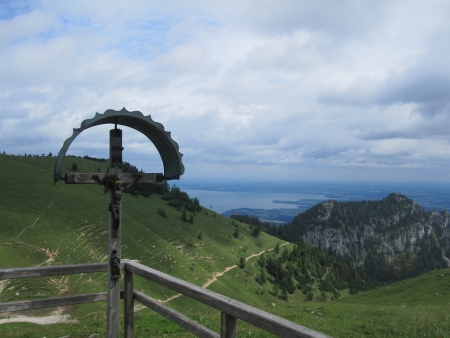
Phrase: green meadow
[47,224]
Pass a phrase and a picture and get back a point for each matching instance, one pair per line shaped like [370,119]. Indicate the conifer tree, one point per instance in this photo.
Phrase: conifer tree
[275,290]
[262,261]
[242,262]
[277,248]
[284,294]
[236,233]
[263,276]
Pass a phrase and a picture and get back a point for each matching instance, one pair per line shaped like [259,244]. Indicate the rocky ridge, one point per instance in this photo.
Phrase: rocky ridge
[375,232]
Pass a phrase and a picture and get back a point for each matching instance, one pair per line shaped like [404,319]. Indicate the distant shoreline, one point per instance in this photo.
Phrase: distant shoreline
[226,196]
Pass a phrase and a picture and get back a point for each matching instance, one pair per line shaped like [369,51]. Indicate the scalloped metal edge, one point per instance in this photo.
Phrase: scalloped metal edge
[117,115]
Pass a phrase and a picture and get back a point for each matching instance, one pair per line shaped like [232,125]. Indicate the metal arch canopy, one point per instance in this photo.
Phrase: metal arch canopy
[166,146]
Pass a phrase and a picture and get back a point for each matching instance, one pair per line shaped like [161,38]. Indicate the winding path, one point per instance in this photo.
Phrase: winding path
[219,274]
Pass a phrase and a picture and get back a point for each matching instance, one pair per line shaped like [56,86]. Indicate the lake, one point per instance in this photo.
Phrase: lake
[227,195]
[221,201]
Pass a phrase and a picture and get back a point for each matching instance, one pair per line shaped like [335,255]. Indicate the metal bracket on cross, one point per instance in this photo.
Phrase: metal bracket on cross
[173,168]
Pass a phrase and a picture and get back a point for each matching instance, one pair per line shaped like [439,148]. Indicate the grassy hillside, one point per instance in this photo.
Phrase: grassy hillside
[45,224]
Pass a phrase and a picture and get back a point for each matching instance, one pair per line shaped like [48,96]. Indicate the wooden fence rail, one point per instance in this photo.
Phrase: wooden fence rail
[43,271]
[52,302]
[178,318]
[230,309]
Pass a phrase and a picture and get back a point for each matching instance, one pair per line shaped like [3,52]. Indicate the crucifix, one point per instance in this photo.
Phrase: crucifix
[115,181]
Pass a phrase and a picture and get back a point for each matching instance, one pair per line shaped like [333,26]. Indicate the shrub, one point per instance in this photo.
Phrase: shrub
[190,243]
[236,233]
[162,212]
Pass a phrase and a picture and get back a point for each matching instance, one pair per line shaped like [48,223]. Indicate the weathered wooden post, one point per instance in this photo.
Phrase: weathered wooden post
[128,305]
[114,252]
[228,326]
[113,181]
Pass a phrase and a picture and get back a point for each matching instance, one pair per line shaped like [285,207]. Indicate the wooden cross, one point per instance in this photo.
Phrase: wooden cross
[115,208]
[113,181]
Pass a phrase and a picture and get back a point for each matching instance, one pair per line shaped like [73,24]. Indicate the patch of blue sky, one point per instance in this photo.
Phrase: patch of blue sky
[69,21]
[208,23]
[39,38]
[47,35]
[145,37]
[136,48]
[146,41]
[9,9]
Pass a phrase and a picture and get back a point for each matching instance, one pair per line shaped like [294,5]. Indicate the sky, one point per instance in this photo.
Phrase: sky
[252,90]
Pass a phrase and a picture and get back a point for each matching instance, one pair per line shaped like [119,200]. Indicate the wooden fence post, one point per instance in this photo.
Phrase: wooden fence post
[128,304]
[228,326]
[115,207]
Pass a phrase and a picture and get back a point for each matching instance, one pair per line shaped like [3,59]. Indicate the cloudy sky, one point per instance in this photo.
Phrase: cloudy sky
[298,90]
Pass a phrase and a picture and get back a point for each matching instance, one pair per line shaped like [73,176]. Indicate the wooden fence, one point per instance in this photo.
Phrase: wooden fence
[231,310]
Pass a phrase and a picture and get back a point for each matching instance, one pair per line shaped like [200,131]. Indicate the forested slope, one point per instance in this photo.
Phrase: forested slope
[392,238]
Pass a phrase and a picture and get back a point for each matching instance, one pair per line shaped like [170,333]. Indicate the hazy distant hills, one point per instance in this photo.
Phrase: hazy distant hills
[298,194]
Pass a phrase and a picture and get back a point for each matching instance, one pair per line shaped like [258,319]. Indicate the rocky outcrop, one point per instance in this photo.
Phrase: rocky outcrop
[386,228]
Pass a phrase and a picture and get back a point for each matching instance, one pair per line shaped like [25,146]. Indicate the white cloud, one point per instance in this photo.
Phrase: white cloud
[296,88]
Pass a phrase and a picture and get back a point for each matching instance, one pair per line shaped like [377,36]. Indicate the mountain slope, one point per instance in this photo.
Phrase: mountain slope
[379,234]
[47,224]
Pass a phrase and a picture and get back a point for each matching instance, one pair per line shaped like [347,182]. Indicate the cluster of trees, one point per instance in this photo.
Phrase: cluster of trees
[185,219]
[251,220]
[181,200]
[28,155]
[425,256]
[255,224]
[129,168]
[428,257]
[95,159]
[310,270]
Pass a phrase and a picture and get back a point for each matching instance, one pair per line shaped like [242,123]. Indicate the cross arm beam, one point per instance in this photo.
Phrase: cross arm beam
[125,178]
